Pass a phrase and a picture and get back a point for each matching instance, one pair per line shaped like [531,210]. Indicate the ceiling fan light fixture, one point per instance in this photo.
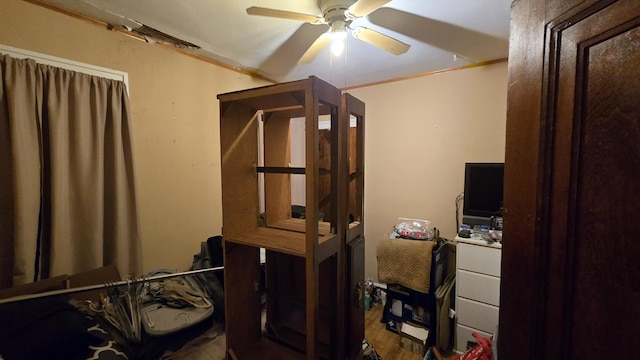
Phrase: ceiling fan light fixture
[338,16]
[338,37]
[338,42]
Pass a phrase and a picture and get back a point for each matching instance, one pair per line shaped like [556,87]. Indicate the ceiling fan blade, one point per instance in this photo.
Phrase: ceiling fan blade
[282,14]
[315,48]
[384,42]
[466,43]
[365,7]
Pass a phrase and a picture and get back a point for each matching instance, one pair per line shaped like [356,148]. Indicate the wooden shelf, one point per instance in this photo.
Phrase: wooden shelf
[299,327]
[355,230]
[266,349]
[353,225]
[298,225]
[292,337]
[288,170]
[288,242]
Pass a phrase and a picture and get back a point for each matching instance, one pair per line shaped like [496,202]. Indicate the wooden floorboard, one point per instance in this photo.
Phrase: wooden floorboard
[386,343]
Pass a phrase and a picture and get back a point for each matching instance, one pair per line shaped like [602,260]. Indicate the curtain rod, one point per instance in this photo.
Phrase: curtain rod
[100,286]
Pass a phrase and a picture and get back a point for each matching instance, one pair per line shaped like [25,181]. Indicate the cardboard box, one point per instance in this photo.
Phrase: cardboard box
[54,283]
[411,345]
[98,276]
[406,305]
[414,338]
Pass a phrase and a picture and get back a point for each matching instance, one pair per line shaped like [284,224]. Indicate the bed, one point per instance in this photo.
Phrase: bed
[61,323]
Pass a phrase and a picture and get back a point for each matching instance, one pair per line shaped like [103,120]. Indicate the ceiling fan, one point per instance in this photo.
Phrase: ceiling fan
[338,15]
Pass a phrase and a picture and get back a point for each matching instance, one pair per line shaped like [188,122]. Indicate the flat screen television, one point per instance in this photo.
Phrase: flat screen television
[483,188]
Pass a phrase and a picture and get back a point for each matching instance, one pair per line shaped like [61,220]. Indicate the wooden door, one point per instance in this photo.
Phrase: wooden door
[571,257]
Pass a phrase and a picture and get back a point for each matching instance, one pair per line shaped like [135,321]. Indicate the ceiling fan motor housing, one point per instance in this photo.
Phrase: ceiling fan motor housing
[334,11]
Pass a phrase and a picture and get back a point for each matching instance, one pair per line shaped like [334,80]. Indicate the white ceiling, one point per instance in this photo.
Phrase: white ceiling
[443,34]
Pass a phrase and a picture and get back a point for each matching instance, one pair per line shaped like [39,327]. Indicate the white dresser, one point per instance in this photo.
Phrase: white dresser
[477,289]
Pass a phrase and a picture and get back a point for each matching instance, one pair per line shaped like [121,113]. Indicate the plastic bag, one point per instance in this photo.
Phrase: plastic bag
[481,351]
[415,229]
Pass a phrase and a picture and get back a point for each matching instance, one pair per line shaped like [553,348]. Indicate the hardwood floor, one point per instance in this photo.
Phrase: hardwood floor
[386,343]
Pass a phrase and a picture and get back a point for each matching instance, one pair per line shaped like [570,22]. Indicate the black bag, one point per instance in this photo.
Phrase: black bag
[211,256]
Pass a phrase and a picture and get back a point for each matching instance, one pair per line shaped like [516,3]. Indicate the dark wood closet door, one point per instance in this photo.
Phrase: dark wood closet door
[571,255]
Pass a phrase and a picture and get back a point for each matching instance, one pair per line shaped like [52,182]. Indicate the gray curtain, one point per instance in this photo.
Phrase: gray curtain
[67,187]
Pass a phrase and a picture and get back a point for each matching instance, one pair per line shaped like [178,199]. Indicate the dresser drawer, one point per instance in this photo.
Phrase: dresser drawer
[479,287]
[477,315]
[481,259]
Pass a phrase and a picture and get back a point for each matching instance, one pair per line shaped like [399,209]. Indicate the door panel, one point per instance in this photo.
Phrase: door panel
[578,261]
[601,258]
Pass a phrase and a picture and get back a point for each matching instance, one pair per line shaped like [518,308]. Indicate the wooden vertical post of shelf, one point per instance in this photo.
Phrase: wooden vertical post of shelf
[341,125]
[242,300]
[356,108]
[311,265]
[239,155]
[352,247]
[239,152]
[277,150]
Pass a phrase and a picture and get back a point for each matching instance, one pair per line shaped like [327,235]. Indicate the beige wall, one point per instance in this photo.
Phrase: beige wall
[175,123]
[418,135]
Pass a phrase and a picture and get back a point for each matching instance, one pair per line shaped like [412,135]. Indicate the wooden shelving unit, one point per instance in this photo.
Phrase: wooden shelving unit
[313,305]
[266,349]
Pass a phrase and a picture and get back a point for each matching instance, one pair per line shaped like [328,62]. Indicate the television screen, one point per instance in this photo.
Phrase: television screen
[483,189]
